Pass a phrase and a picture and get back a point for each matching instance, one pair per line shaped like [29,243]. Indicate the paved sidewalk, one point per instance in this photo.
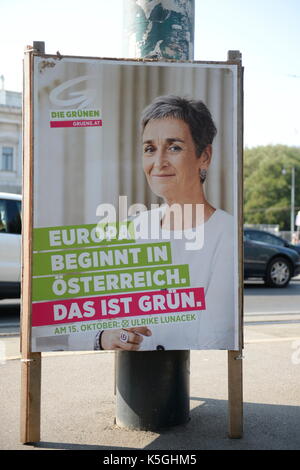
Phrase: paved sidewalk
[78,401]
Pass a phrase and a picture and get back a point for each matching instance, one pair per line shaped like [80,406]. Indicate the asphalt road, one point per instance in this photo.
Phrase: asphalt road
[259,299]
[81,416]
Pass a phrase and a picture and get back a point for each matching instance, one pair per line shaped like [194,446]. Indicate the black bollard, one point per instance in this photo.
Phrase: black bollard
[152,389]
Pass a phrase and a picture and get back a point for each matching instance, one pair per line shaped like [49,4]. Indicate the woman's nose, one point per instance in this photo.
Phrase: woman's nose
[161,159]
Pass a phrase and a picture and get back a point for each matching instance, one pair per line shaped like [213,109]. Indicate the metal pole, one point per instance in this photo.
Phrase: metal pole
[292,202]
[152,387]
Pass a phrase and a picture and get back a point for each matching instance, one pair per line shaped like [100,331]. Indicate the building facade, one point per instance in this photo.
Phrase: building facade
[10,140]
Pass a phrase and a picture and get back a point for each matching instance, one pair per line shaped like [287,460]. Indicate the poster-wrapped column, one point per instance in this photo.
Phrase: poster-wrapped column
[152,387]
[159,29]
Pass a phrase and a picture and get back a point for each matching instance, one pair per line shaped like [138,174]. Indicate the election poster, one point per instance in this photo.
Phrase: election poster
[135,233]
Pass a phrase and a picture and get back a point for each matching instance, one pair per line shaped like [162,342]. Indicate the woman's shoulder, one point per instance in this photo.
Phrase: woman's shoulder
[221,221]
[221,216]
[224,216]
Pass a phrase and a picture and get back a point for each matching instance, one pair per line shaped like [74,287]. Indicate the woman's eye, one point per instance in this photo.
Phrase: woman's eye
[175,148]
[148,149]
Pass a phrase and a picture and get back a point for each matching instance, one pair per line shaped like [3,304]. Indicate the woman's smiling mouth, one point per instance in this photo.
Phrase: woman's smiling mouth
[162,176]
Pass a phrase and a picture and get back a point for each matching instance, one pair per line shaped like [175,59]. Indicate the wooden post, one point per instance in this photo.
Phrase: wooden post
[31,362]
[235,362]
[235,395]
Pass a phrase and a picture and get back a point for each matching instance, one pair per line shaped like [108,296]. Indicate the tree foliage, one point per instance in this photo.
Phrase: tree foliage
[267,184]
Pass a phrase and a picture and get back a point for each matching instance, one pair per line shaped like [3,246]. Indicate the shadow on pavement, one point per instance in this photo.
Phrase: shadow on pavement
[266,427]
[69,446]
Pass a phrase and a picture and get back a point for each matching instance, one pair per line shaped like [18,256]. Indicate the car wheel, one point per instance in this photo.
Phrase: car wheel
[278,273]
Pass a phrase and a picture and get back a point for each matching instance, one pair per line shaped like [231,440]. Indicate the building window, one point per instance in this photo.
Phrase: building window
[7,158]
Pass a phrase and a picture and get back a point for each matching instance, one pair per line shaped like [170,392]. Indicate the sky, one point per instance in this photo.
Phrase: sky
[266,32]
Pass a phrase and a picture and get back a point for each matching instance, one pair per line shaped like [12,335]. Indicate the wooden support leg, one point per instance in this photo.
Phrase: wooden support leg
[235,394]
[31,398]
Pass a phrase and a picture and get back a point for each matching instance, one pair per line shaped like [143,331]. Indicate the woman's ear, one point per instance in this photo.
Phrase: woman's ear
[205,157]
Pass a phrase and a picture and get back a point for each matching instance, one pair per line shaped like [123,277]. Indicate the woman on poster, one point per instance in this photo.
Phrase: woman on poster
[177,136]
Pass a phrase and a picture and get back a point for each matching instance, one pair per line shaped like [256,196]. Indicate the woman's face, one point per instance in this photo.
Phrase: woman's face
[170,162]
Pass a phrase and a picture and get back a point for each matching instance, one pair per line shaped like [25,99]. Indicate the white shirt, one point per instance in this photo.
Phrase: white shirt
[211,267]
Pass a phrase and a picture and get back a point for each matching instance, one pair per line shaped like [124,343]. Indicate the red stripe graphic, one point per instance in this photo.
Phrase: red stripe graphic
[78,123]
[117,306]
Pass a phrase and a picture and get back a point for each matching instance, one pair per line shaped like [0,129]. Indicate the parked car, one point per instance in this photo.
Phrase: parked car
[270,238]
[10,245]
[266,257]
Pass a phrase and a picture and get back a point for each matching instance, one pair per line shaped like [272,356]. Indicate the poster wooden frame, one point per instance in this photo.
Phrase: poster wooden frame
[31,362]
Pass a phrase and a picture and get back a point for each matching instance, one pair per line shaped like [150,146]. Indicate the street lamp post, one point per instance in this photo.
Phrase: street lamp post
[292,202]
[292,217]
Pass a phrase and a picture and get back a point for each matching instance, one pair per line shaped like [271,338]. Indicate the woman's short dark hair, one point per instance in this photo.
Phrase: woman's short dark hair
[194,113]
